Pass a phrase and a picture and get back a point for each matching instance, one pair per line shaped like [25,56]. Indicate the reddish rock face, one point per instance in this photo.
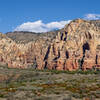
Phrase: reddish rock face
[60,65]
[76,46]
[89,61]
[51,65]
[71,64]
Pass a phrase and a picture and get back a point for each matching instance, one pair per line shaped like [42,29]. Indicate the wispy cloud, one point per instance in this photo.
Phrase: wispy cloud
[92,16]
[39,26]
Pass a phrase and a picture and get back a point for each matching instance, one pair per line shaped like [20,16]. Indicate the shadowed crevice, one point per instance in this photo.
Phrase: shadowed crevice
[96,59]
[47,53]
[57,56]
[67,54]
[85,47]
[45,66]
[62,36]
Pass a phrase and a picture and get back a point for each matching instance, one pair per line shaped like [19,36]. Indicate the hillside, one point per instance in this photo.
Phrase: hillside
[25,37]
[75,47]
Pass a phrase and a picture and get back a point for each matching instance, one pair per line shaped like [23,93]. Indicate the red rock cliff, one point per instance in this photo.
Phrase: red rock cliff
[77,46]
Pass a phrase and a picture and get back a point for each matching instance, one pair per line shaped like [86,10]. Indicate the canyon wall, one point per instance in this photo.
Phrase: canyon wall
[76,46]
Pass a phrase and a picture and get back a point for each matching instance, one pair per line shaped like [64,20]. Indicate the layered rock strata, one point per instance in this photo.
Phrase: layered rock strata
[76,46]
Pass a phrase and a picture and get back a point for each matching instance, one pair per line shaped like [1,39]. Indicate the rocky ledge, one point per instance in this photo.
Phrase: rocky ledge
[76,46]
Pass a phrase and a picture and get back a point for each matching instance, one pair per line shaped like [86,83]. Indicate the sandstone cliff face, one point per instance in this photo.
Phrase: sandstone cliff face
[77,46]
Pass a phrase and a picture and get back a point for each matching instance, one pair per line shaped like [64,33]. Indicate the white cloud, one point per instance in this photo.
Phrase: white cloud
[92,16]
[39,26]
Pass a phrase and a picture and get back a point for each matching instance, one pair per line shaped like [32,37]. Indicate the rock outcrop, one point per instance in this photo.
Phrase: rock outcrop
[76,46]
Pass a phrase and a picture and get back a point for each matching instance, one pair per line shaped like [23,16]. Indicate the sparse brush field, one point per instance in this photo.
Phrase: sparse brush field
[29,84]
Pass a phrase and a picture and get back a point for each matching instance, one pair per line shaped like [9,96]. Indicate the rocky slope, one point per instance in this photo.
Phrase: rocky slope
[76,46]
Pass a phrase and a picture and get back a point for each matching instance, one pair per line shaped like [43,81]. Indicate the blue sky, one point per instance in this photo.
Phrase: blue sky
[14,13]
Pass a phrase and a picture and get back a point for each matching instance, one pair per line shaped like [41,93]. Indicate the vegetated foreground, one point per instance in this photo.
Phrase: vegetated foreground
[29,84]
